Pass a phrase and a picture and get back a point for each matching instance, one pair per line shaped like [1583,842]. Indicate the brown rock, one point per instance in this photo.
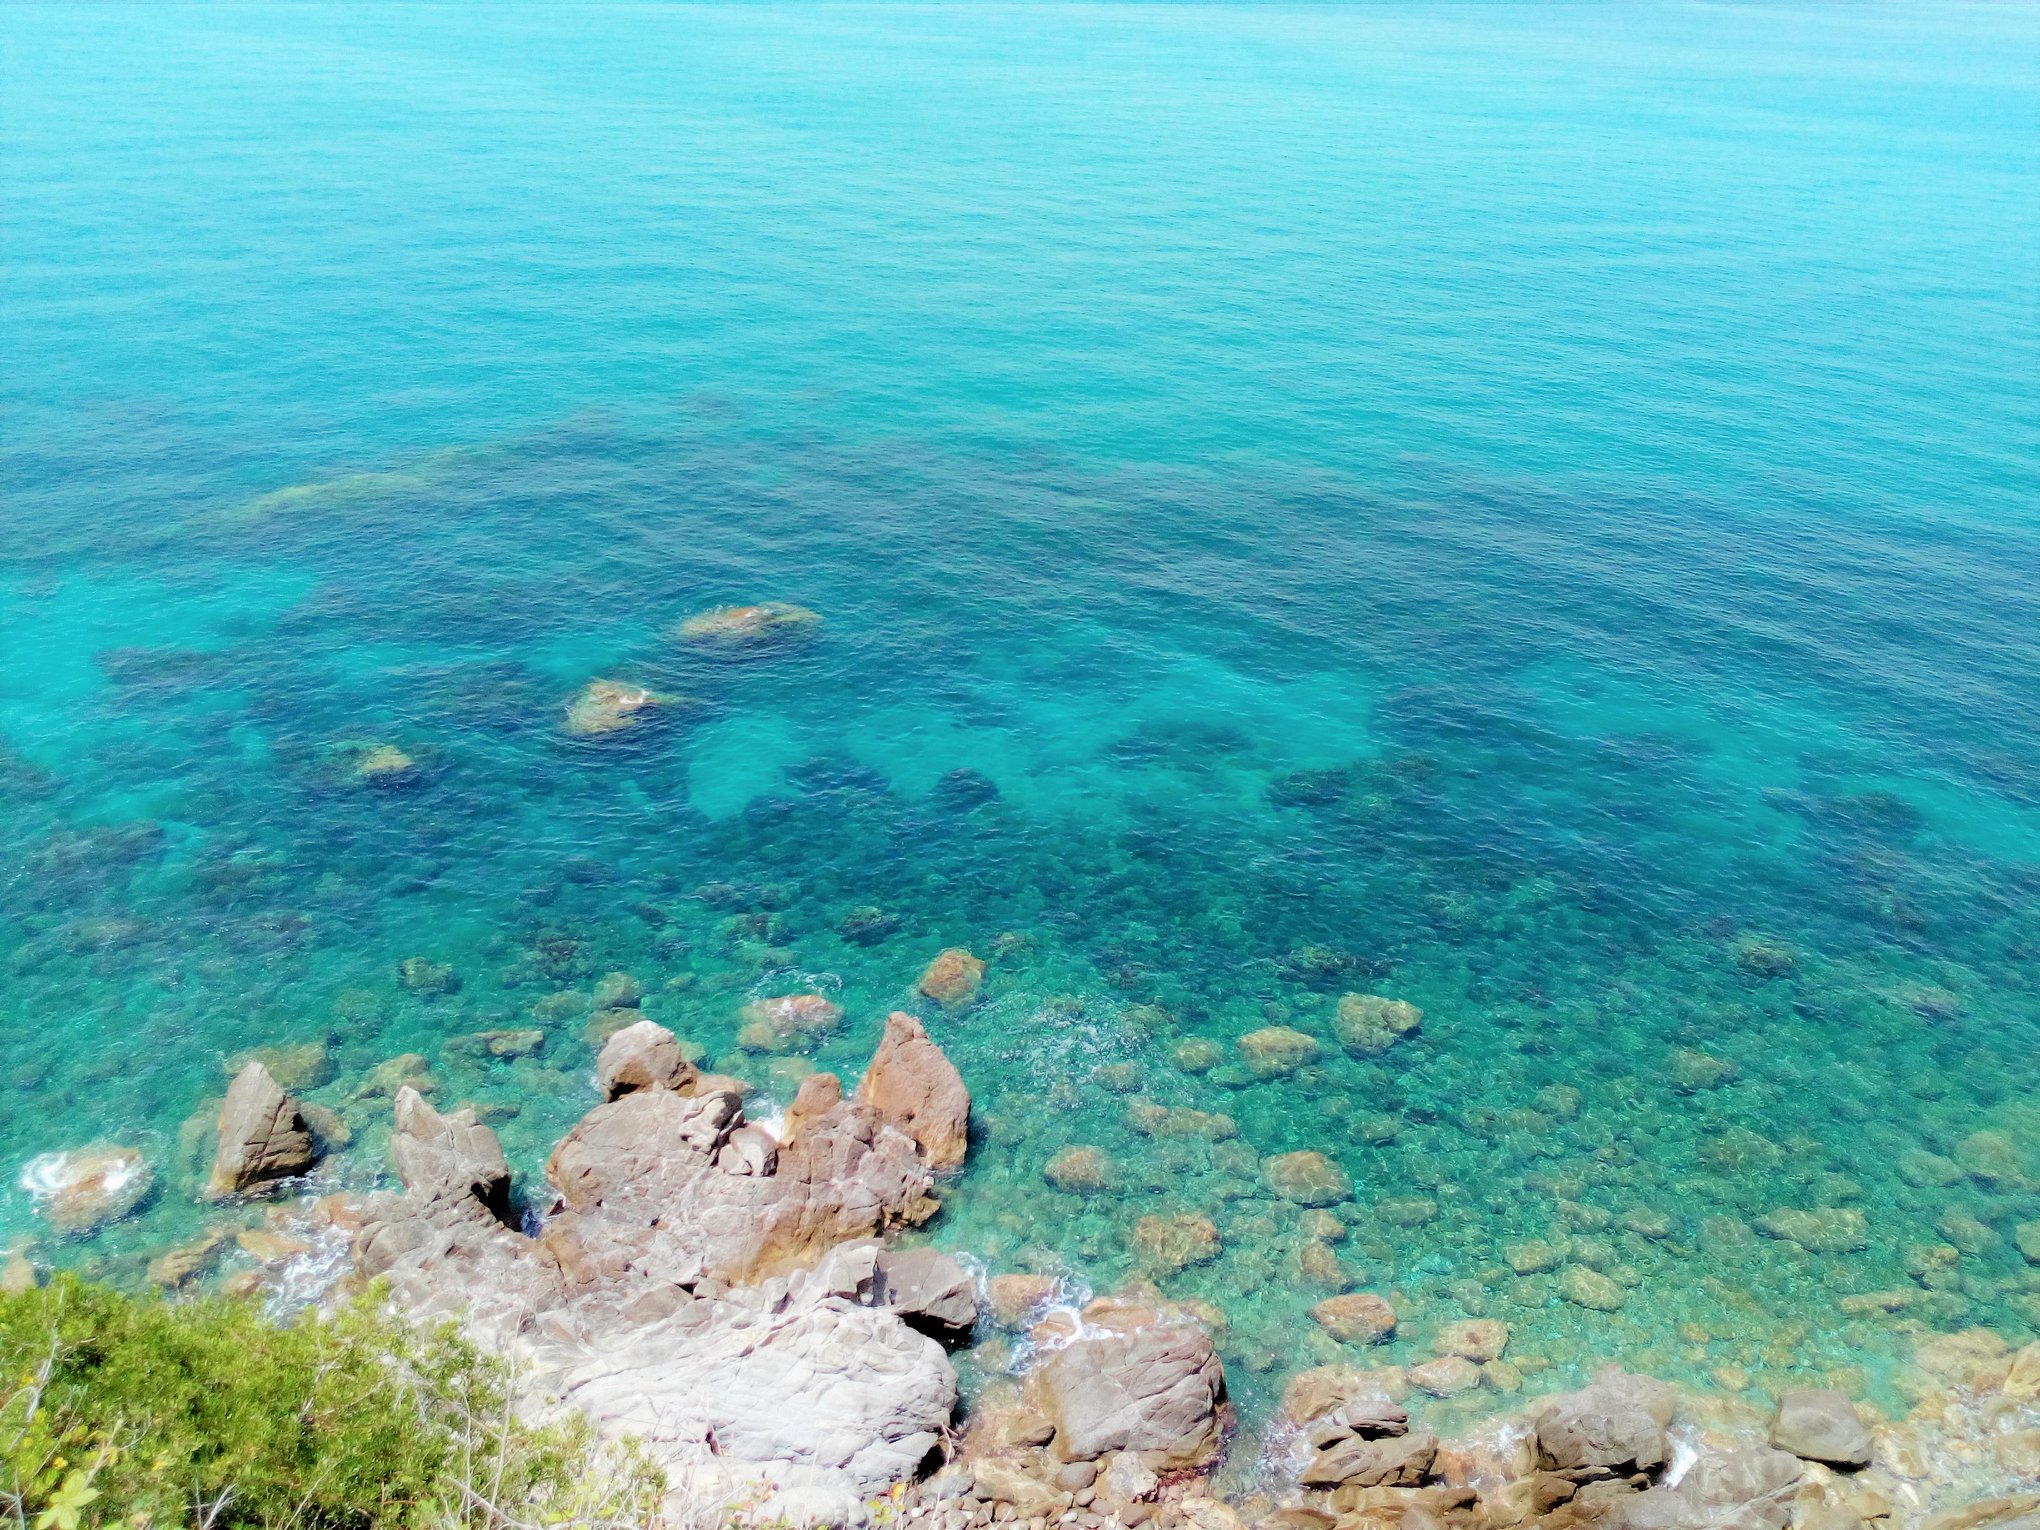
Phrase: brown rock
[1616,1422]
[303,1065]
[913,1086]
[174,1267]
[953,978]
[263,1135]
[1359,1317]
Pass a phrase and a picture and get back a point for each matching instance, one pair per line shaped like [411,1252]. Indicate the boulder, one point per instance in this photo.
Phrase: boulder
[1155,1392]
[1585,1287]
[1306,1179]
[1125,1478]
[263,1135]
[81,1191]
[1616,1423]
[643,1055]
[606,707]
[913,1086]
[1821,1426]
[1358,1317]
[793,1373]
[1399,1461]
[1005,1480]
[18,1275]
[736,627]
[953,978]
[1368,1025]
[930,1290]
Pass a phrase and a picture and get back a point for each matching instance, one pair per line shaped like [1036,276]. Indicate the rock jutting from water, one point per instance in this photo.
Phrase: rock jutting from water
[610,706]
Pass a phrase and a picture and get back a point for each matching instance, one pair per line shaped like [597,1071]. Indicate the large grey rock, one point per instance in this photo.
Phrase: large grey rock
[263,1135]
[930,1290]
[1397,1461]
[644,1055]
[1154,1391]
[916,1088]
[1821,1426]
[1725,1487]
[793,1372]
[1616,1423]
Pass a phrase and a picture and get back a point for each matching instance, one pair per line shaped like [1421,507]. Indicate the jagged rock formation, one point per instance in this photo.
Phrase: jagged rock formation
[263,1135]
[698,1283]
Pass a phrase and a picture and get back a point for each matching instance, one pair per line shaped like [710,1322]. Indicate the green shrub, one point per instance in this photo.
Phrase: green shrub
[118,1410]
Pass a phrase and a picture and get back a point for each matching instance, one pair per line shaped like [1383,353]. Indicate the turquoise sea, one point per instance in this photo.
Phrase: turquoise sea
[1530,510]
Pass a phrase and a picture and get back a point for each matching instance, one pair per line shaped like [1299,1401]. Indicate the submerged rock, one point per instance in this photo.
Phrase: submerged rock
[769,621]
[953,978]
[1368,1024]
[769,1024]
[83,1190]
[1275,1051]
[263,1136]
[1358,1317]
[1081,1169]
[1171,1243]
[1306,1179]
[610,706]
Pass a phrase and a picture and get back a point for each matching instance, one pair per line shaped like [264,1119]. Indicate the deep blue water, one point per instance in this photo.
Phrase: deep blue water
[1528,510]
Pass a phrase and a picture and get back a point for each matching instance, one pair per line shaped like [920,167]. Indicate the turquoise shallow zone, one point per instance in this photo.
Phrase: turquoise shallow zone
[1527,510]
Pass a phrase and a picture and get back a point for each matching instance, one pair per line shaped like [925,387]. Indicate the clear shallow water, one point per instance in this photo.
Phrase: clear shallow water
[1528,511]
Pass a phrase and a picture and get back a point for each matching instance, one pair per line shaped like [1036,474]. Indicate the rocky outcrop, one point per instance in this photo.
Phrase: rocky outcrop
[1368,1024]
[913,1086]
[263,1136]
[710,1287]
[1154,1392]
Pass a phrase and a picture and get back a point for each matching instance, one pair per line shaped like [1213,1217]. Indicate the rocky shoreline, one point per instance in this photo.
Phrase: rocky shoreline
[725,1293]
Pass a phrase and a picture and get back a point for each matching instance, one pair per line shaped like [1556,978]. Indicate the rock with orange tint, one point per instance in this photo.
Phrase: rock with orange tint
[914,1086]
[953,978]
